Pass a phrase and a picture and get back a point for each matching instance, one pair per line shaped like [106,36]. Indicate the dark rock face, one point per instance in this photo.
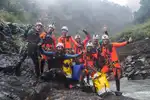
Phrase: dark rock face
[11,37]
[25,87]
[137,63]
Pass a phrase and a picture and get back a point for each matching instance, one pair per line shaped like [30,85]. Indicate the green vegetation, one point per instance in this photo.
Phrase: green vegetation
[142,28]
[6,16]
[142,15]
[76,14]
[137,32]
[18,11]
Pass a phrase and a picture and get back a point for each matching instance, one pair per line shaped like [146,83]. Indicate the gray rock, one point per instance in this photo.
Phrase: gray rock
[132,63]
[138,60]
[129,69]
[142,59]
[129,59]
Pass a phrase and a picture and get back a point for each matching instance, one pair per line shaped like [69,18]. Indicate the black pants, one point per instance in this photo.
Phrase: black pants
[117,79]
[42,63]
[34,57]
[35,60]
[33,52]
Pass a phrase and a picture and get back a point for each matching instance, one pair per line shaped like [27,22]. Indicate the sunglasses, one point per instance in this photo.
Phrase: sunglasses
[64,31]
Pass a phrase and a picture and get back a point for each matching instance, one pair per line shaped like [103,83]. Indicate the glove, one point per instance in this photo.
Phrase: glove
[130,40]
[39,44]
[85,32]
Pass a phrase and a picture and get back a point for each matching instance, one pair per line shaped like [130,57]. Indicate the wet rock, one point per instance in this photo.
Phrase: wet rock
[78,95]
[8,63]
[137,63]
[129,59]
[11,35]
[27,87]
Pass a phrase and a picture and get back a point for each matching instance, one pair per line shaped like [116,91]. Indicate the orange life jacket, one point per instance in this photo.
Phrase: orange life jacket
[111,53]
[67,41]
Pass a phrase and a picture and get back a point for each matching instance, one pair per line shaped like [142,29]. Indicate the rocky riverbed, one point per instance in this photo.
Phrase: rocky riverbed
[27,87]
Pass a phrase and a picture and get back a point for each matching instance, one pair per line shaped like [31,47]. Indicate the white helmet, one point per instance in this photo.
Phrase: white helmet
[64,28]
[95,36]
[77,36]
[60,45]
[89,44]
[51,26]
[105,37]
[38,23]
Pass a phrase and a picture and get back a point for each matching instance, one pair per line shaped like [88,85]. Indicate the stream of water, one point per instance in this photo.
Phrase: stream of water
[137,89]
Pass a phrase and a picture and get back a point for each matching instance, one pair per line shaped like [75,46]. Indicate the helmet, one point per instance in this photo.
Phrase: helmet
[64,28]
[51,26]
[105,37]
[60,45]
[77,36]
[38,23]
[89,44]
[95,36]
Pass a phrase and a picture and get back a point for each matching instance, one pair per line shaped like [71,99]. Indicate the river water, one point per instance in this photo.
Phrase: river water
[137,89]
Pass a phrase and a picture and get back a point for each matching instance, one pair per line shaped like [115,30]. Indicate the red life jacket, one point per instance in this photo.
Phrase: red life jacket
[83,45]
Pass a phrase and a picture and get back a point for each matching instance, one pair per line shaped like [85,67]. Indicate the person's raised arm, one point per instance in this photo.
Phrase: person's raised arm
[54,40]
[105,30]
[74,42]
[59,40]
[122,43]
[116,44]
[87,37]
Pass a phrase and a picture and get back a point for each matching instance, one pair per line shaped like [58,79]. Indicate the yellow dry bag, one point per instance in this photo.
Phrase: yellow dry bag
[101,83]
[67,64]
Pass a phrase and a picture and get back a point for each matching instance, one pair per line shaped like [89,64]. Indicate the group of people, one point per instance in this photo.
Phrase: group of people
[93,54]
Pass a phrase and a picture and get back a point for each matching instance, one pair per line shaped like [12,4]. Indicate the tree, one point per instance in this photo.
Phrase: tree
[143,13]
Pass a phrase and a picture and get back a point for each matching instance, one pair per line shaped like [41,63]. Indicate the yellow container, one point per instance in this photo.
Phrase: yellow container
[101,83]
[67,69]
